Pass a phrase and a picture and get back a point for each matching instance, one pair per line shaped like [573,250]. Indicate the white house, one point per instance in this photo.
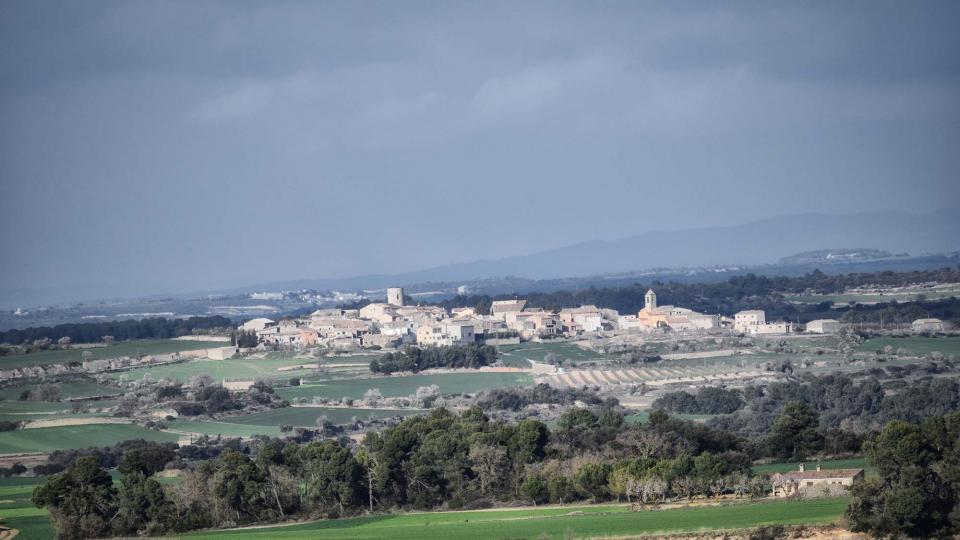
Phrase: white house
[255,325]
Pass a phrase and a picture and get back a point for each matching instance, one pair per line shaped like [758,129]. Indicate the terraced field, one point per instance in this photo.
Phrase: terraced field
[404,385]
[66,437]
[118,350]
[551,522]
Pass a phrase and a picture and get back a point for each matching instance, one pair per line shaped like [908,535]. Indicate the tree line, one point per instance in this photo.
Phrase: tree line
[415,359]
[94,332]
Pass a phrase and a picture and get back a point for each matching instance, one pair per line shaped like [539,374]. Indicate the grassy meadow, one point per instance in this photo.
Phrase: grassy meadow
[915,344]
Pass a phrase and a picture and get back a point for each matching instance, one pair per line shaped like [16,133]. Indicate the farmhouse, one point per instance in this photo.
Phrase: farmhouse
[797,482]
[927,325]
[445,334]
[823,326]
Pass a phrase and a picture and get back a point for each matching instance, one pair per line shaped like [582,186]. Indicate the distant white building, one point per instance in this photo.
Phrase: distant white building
[745,319]
[823,326]
[266,296]
[754,322]
[927,325]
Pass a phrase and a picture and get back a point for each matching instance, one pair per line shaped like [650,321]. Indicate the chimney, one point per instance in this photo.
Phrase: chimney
[801,467]
[818,466]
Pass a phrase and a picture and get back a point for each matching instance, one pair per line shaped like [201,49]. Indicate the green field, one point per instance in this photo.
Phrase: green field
[915,344]
[852,463]
[875,298]
[553,522]
[17,512]
[121,349]
[66,437]
[404,385]
[517,355]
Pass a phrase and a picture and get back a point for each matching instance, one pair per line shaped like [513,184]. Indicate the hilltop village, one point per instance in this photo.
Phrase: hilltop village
[394,324]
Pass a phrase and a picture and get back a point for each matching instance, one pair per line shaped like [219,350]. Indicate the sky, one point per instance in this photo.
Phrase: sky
[172,146]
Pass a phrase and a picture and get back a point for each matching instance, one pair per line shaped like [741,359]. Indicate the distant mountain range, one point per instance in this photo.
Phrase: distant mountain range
[754,243]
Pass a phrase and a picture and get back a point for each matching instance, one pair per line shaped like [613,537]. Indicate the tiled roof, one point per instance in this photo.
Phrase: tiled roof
[821,474]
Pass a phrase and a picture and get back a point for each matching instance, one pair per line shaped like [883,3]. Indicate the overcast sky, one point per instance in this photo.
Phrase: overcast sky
[169,146]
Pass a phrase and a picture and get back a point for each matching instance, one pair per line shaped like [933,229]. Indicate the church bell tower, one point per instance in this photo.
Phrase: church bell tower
[650,300]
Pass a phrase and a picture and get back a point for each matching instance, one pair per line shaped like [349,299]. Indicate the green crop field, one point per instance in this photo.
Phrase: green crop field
[577,521]
[852,463]
[219,369]
[17,512]
[449,383]
[66,437]
[121,349]
[915,344]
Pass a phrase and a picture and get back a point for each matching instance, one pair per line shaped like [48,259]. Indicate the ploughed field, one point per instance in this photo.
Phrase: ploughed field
[117,350]
[552,522]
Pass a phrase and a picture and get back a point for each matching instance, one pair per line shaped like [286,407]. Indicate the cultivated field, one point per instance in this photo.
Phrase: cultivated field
[118,350]
[16,510]
[404,385]
[552,522]
[914,344]
[66,437]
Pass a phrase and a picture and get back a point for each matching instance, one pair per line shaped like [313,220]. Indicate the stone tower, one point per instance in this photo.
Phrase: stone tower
[395,296]
[650,300]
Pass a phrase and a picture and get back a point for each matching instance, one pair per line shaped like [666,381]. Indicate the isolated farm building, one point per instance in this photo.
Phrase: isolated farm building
[927,325]
[830,481]
[255,325]
[221,353]
[238,385]
[823,326]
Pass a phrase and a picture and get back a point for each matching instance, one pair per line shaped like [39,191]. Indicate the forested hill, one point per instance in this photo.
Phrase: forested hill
[746,292]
